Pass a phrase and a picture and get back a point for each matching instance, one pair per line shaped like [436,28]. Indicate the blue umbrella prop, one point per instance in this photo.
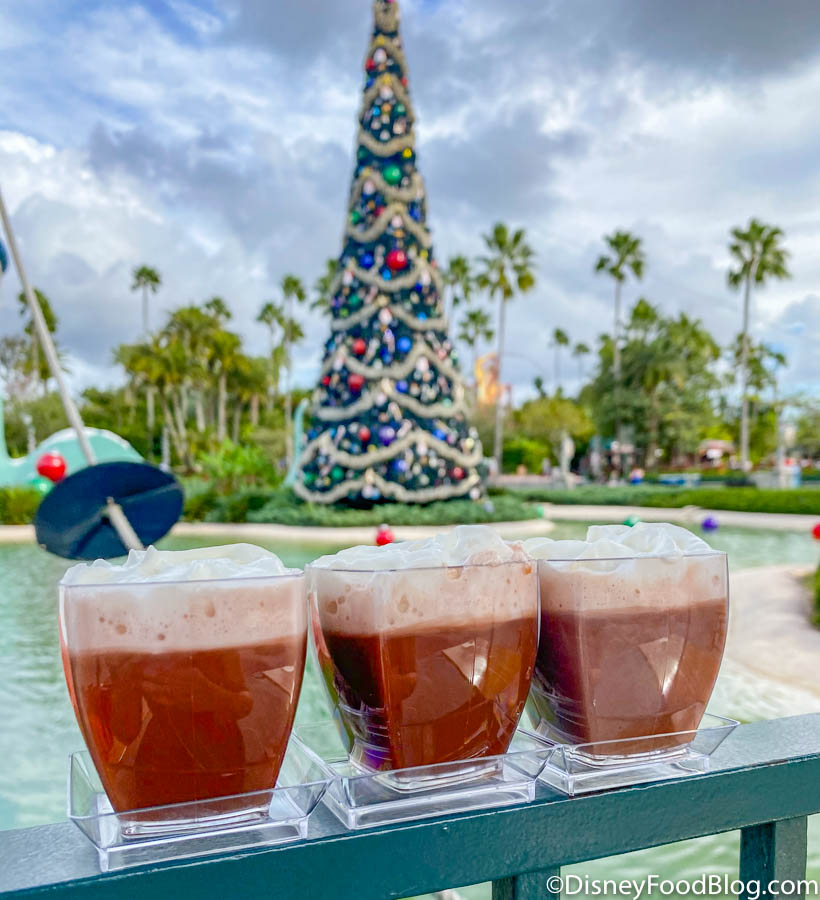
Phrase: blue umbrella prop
[86,518]
[74,520]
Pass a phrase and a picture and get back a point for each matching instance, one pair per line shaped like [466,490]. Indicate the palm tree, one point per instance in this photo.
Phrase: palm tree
[759,256]
[146,280]
[292,290]
[506,269]
[218,308]
[272,316]
[559,339]
[579,351]
[38,365]
[475,328]
[228,357]
[626,256]
[323,288]
[459,278]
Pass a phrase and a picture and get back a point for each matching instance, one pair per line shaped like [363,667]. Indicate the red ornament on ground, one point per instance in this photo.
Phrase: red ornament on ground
[397,260]
[458,473]
[359,347]
[816,531]
[364,435]
[384,536]
[52,465]
[355,382]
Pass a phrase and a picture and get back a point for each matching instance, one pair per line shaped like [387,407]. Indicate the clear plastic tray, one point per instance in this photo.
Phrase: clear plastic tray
[364,799]
[183,830]
[581,768]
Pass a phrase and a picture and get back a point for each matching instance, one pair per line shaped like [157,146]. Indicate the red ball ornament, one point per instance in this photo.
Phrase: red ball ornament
[458,473]
[355,382]
[326,381]
[52,465]
[816,531]
[378,211]
[364,435]
[360,347]
[384,536]
[397,260]
[370,65]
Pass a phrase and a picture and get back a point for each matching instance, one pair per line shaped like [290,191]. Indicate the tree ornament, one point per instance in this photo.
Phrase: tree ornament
[401,387]
[337,473]
[364,434]
[359,347]
[52,465]
[355,382]
[422,364]
[366,260]
[387,434]
[384,536]
[397,260]
[370,65]
[458,473]
[385,316]
[392,174]
[404,344]
[326,381]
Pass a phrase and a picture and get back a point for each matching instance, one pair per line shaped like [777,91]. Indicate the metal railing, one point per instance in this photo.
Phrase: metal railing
[765,780]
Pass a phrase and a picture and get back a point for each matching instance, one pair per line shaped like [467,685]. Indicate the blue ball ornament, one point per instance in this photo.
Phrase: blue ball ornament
[402,387]
[415,213]
[4,258]
[710,523]
[366,260]
[387,435]
[422,316]
[387,274]
[438,433]
[404,344]
[400,465]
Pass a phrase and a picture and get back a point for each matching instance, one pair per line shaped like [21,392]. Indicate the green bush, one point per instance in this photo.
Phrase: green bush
[740,499]
[232,466]
[280,506]
[816,588]
[522,451]
[18,505]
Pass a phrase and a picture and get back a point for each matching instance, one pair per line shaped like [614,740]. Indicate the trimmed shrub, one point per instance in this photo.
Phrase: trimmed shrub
[18,505]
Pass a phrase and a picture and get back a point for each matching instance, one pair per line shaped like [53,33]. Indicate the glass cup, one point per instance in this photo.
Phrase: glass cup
[425,665]
[187,690]
[630,650]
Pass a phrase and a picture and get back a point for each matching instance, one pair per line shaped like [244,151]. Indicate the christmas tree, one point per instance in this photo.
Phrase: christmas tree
[388,420]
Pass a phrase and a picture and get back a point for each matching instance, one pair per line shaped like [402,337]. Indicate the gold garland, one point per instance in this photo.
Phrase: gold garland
[440,323]
[390,489]
[364,460]
[399,92]
[391,148]
[403,195]
[381,224]
[386,16]
[368,400]
[398,370]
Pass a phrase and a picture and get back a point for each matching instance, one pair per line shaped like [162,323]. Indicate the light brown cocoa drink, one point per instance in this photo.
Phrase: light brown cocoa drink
[630,647]
[427,664]
[184,681]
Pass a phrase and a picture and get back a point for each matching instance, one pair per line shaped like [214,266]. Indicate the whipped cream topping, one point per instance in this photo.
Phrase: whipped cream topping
[467,545]
[467,575]
[650,565]
[650,539]
[161,601]
[200,564]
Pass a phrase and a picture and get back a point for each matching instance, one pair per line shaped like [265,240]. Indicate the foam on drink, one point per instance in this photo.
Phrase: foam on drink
[427,647]
[633,627]
[184,669]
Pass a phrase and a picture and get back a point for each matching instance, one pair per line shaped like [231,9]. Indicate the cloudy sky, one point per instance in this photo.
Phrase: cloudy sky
[213,140]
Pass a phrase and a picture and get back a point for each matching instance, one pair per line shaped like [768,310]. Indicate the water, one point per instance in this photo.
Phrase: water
[39,729]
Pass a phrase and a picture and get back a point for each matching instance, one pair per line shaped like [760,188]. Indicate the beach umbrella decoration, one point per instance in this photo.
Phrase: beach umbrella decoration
[107,509]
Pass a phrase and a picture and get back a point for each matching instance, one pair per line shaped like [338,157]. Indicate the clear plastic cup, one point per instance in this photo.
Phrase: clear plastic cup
[185,690]
[630,649]
[425,665]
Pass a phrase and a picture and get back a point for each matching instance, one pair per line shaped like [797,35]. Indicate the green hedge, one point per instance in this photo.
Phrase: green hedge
[816,588]
[806,502]
[18,505]
[283,508]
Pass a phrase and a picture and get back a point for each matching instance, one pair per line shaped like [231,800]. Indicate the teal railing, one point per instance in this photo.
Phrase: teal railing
[765,780]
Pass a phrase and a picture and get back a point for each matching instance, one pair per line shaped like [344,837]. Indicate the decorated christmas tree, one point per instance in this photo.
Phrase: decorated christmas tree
[388,420]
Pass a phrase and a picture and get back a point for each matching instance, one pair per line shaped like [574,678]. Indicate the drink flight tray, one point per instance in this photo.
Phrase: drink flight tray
[581,768]
[361,799]
[183,830]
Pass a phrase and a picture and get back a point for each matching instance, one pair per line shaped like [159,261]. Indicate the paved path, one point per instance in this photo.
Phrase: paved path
[19,534]
[689,515]
[769,628]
